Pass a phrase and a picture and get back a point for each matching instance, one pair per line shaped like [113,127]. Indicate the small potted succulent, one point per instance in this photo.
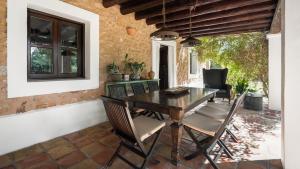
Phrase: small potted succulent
[136,70]
[114,72]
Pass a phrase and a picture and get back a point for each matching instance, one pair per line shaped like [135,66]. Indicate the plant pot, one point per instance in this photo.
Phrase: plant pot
[116,77]
[151,74]
[135,76]
[126,77]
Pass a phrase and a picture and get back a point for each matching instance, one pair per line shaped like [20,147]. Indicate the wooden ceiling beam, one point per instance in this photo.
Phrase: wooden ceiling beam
[225,26]
[136,6]
[242,28]
[205,9]
[229,13]
[226,33]
[110,3]
[229,20]
[171,8]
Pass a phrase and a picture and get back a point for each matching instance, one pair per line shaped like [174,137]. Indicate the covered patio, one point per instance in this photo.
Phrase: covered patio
[73,88]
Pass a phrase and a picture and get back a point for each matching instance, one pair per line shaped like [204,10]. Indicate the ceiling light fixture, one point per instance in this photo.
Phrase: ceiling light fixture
[190,41]
[164,34]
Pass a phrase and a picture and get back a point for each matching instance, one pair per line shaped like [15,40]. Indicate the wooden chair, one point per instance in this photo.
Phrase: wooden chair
[138,88]
[118,91]
[210,131]
[132,132]
[218,112]
[153,86]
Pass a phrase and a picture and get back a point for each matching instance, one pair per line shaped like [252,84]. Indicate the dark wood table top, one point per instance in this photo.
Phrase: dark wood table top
[183,102]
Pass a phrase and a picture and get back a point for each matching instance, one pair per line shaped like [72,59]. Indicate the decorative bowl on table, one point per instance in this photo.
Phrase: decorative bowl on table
[176,90]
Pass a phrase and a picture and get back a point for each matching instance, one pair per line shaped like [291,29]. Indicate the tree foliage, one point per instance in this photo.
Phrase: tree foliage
[245,55]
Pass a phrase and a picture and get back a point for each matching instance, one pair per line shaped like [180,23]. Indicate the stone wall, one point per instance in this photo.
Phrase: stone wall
[114,43]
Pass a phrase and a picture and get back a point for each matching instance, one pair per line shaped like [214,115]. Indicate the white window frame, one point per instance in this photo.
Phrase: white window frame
[18,85]
[193,76]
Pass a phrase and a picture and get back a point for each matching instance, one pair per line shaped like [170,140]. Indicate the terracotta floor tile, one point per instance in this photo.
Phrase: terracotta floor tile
[86,164]
[274,164]
[26,152]
[5,161]
[110,140]
[60,151]
[73,136]
[71,159]
[60,141]
[47,165]
[82,141]
[8,167]
[33,161]
[93,149]
[104,156]
[252,165]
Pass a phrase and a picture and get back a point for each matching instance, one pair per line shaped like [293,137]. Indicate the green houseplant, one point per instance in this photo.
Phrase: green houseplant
[114,72]
[136,69]
[241,86]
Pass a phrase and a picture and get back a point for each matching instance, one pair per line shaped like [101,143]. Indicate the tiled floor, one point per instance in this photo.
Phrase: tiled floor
[259,134]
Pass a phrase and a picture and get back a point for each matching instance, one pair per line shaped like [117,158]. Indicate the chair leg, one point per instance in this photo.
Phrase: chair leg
[226,150]
[161,116]
[235,127]
[109,163]
[235,139]
[149,154]
[214,165]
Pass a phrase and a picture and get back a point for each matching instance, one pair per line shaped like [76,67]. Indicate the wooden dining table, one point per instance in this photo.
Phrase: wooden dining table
[175,106]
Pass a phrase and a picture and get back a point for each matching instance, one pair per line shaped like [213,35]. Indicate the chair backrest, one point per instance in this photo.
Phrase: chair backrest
[138,88]
[215,78]
[119,116]
[236,104]
[153,86]
[117,91]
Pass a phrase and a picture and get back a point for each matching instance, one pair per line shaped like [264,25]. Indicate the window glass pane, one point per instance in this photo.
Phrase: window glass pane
[40,31]
[193,63]
[69,60]
[41,60]
[69,36]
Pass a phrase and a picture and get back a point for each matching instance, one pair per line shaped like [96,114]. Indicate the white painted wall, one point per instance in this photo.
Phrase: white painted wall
[23,130]
[274,71]
[291,83]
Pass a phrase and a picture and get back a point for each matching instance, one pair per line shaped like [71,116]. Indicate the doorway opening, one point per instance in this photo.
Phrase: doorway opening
[163,67]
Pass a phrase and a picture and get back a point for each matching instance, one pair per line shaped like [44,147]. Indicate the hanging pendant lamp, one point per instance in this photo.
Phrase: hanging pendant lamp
[164,34]
[190,41]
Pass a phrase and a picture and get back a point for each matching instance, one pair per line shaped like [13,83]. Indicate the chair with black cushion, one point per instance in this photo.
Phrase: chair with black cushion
[138,88]
[216,79]
[132,132]
[153,86]
[210,132]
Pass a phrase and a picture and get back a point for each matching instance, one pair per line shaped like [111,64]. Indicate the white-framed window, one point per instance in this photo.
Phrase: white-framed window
[18,84]
[193,63]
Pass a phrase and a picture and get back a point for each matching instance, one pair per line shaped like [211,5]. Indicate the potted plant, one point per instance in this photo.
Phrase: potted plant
[136,69]
[113,71]
[126,70]
[241,86]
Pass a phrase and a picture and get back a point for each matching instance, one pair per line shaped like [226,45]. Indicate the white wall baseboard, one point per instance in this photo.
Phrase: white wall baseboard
[23,130]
